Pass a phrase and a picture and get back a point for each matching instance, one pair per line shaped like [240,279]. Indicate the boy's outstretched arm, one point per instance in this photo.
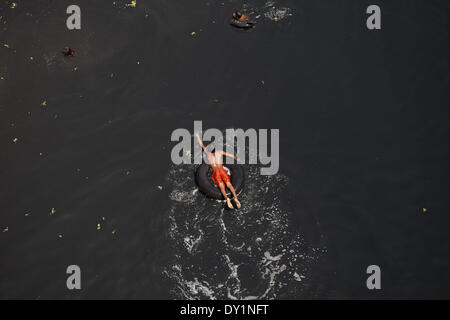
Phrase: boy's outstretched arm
[200,142]
[229,155]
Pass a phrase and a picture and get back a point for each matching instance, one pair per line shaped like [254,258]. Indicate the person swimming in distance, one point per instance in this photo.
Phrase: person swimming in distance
[68,52]
[239,16]
[220,175]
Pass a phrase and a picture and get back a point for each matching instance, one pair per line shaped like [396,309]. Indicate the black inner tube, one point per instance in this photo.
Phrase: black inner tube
[209,188]
[246,24]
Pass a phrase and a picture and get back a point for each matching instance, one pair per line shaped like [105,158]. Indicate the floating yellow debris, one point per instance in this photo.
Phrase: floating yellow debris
[6,229]
[27,214]
[113,232]
[160,187]
[98,226]
[15,140]
[262,81]
[103,218]
[193,33]
[41,154]
[132,4]
[75,68]
[13,5]
[31,58]
[6,45]
[60,236]
[44,103]
[424,210]
[53,211]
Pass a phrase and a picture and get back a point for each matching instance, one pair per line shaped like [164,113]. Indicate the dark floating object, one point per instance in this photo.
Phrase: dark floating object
[210,189]
[244,24]
[68,52]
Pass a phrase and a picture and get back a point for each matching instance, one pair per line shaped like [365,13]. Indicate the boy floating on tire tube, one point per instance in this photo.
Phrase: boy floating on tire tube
[220,175]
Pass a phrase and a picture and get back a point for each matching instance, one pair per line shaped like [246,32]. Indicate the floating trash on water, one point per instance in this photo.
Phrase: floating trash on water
[424,210]
[27,214]
[131,4]
[160,187]
[98,226]
[193,33]
[5,230]
[6,45]
[53,211]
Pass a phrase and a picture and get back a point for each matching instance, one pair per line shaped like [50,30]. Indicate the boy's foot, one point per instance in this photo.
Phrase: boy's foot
[238,204]
[229,204]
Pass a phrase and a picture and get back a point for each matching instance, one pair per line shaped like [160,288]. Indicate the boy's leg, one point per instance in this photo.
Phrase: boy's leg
[224,193]
[230,186]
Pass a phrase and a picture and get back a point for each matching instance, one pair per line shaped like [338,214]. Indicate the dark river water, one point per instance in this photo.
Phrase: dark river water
[86,176]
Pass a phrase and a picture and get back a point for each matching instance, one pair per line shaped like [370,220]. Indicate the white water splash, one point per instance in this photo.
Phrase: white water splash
[269,10]
[240,254]
[277,14]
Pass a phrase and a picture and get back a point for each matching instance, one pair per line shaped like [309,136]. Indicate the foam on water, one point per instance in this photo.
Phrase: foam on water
[277,14]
